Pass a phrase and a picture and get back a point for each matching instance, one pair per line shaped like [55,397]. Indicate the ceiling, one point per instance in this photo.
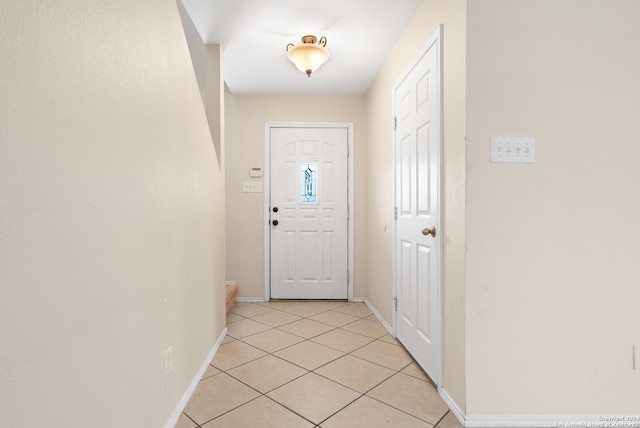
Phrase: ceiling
[254,34]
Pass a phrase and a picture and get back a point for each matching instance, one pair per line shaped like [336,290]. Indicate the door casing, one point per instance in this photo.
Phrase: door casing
[436,38]
[267,196]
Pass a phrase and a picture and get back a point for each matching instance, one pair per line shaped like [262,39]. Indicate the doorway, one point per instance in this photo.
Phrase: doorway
[417,99]
[308,221]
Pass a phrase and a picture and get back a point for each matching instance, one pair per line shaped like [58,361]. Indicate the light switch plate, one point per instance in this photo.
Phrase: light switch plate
[252,187]
[513,149]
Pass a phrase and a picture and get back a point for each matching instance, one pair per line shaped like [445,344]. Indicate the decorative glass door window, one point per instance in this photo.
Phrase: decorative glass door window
[308,179]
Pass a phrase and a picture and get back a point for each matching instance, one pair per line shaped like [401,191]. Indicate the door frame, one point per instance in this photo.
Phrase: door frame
[267,196]
[436,39]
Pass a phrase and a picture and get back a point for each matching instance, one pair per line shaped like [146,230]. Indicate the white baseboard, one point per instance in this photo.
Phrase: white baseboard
[377,315]
[250,299]
[453,406]
[262,299]
[173,420]
[503,421]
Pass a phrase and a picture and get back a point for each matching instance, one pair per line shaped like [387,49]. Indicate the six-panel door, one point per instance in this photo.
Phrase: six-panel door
[417,153]
[308,213]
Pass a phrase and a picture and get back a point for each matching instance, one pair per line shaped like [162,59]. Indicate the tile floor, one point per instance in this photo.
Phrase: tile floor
[312,364]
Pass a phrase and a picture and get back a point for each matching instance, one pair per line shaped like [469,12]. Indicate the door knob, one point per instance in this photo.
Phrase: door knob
[429,231]
[275,209]
[274,222]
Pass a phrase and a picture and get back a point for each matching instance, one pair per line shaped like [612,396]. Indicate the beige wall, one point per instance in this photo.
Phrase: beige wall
[197,50]
[111,221]
[245,127]
[112,218]
[552,269]
[379,255]
[208,65]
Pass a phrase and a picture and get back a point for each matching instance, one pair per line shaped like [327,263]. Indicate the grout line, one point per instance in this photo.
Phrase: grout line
[333,328]
[341,409]
[440,420]
[287,382]
[404,411]
[292,411]
[192,420]
[230,410]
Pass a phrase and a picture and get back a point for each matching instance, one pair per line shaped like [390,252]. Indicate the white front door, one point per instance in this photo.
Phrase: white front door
[417,240]
[308,213]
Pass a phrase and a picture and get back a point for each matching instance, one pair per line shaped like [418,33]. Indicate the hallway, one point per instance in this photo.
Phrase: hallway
[312,364]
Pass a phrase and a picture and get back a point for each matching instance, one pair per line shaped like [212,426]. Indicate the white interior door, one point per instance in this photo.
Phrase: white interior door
[417,244]
[308,213]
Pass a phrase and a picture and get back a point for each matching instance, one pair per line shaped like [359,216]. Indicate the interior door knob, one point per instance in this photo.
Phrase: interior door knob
[429,231]
[274,222]
[275,209]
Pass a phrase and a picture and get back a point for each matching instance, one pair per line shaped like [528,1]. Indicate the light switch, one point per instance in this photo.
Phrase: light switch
[513,149]
[252,187]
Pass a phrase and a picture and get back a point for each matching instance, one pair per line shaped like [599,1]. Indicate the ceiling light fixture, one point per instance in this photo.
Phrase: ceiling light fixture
[309,55]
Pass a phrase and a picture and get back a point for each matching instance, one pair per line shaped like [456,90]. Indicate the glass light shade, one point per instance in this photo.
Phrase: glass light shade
[307,56]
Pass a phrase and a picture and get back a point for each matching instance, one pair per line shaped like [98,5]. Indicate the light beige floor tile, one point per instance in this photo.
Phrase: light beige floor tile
[325,353]
[276,318]
[217,395]
[185,422]
[231,317]
[239,304]
[246,327]
[272,340]
[411,395]
[329,304]
[211,371]
[390,339]
[414,370]
[249,309]
[261,412]
[385,354]
[279,304]
[234,354]
[309,355]
[368,328]
[359,310]
[267,373]
[355,373]
[366,412]
[304,309]
[314,397]
[342,340]
[449,421]
[306,328]
[334,318]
